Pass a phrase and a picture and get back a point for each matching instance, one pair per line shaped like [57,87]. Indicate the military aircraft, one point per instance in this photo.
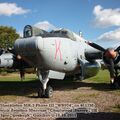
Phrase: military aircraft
[54,54]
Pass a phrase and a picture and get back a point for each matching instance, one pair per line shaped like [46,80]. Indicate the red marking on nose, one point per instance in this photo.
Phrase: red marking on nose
[57,44]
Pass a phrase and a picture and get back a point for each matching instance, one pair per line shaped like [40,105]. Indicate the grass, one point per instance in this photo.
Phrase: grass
[101,77]
[15,77]
[13,82]
[12,88]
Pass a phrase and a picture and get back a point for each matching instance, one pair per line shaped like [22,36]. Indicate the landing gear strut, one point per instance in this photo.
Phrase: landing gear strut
[116,83]
[46,90]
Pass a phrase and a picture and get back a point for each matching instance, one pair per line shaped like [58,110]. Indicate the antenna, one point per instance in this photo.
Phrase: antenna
[80,33]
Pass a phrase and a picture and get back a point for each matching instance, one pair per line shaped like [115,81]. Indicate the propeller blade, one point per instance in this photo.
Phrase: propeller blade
[96,46]
[117,49]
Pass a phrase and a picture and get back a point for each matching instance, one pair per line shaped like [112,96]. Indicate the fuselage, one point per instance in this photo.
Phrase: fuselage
[51,53]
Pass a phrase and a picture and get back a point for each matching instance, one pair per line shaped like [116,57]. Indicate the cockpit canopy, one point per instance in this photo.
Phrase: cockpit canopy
[65,33]
[30,31]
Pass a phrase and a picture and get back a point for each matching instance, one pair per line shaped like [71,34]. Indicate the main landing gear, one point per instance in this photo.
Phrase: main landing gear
[116,83]
[46,91]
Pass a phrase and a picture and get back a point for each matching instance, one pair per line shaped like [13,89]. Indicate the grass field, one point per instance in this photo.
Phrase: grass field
[95,90]
[12,84]
[101,77]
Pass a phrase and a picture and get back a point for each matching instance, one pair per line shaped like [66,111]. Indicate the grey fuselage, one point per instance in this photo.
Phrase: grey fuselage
[57,54]
[52,53]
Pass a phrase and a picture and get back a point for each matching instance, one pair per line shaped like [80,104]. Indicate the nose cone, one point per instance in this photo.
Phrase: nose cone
[111,54]
[30,45]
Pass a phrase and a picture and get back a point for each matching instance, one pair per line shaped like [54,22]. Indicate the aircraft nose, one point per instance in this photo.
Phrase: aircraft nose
[28,45]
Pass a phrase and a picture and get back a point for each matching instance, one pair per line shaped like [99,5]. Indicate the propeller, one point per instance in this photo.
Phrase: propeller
[109,56]
[108,53]
[117,49]
[96,46]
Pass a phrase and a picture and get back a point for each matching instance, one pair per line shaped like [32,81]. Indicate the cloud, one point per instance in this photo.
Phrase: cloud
[106,17]
[9,9]
[110,36]
[45,25]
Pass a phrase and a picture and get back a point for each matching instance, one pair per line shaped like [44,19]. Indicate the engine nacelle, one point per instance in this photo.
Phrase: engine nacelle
[85,70]
[6,60]
[91,69]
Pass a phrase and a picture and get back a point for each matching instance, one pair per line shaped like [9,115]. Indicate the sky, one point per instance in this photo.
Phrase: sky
[98,20]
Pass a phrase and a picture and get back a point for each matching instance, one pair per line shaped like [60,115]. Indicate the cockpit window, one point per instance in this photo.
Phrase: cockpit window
[63,33]
[30,31]
[27,31]
[56,31]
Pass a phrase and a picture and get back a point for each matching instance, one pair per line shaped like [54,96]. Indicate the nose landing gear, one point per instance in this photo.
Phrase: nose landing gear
[46,91]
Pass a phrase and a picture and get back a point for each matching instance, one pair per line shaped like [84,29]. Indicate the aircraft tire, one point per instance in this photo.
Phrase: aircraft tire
[116,84]
[49,92]
[118,80]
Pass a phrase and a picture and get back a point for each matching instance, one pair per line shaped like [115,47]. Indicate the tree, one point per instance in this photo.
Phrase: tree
[7,36]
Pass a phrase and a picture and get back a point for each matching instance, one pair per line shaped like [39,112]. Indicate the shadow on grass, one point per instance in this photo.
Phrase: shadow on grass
[23,88]
[67,85]
[20,88]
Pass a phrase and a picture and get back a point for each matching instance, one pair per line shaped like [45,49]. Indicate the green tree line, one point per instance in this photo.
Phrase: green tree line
[7,36]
